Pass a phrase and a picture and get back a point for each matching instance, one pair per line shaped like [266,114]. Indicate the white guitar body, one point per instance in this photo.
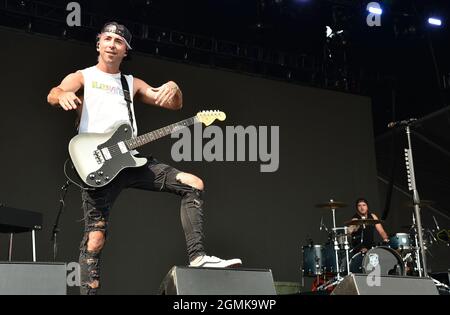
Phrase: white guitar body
[99,157]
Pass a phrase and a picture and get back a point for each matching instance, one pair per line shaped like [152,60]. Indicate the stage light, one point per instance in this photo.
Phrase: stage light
[330,33]
[435,21]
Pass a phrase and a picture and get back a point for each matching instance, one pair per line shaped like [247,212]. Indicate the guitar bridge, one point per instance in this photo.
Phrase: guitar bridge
[99,157]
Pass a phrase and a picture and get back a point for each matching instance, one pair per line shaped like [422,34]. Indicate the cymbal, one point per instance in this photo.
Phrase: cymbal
[331,205]
[422,203]
[362,222]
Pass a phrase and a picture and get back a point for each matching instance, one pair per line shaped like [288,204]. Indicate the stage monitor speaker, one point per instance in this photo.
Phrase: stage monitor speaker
[21,278]
[217,281]
[362,284]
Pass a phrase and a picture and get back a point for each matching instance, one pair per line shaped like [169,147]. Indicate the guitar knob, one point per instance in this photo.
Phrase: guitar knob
[98,181]
[100,173]
[107,178]
[92,176]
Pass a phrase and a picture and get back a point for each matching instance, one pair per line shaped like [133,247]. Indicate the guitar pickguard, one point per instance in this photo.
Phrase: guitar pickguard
[113,164]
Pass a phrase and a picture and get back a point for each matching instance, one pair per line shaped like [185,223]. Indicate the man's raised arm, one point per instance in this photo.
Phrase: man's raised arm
[64,94]
[167,95]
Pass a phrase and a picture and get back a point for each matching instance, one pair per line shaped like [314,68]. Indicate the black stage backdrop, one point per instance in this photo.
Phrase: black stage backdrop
[326,151]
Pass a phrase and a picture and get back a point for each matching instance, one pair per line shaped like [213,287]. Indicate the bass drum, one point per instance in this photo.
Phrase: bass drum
[386,259]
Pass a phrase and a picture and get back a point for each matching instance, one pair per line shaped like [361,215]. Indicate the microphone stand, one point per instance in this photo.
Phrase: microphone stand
[416,200]
[56,229]
[417,249]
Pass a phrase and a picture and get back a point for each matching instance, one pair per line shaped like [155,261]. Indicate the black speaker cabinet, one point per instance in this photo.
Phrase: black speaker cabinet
[32,278]
[217,281]
[361,284]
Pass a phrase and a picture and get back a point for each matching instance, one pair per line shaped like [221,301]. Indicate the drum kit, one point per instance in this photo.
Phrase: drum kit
[336,258]
[404,254]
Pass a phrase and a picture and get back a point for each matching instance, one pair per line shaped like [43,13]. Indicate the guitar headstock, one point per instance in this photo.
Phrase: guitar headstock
[207,117]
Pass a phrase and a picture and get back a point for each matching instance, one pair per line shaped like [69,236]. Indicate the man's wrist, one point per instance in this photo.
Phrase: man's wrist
[58,92]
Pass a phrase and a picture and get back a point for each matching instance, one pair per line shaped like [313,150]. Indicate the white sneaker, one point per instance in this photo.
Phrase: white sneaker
[214,262]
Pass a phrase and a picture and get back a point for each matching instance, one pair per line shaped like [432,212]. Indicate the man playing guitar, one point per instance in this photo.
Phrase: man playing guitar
[102,105]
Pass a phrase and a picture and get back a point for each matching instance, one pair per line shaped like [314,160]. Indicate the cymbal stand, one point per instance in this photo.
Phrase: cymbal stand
[331,283]
[346,244]
[347,248]
[335,241]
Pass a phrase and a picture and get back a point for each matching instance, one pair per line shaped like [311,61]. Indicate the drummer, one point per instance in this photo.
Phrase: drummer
[363,235]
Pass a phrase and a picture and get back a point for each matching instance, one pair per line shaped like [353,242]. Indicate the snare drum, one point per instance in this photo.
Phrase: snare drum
[342,239]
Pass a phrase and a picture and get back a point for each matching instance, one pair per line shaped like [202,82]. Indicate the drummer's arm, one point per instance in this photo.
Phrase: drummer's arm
[380,229]
[352,228]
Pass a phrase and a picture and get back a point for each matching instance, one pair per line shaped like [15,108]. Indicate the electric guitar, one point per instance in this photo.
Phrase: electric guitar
[99,157]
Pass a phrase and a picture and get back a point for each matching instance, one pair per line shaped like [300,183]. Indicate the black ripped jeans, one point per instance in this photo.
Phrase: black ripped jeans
[154,176]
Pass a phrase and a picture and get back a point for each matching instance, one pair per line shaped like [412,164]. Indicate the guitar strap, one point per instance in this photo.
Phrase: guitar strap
[127,97]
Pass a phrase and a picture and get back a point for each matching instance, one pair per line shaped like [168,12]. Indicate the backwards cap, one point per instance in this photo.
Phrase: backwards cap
[118,29]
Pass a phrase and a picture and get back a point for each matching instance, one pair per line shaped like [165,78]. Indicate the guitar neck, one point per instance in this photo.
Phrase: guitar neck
[159,133]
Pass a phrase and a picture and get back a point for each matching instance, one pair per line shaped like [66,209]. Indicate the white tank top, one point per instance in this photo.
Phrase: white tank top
[104,104]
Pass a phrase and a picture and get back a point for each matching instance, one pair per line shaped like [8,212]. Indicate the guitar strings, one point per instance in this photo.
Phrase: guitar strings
[114,150]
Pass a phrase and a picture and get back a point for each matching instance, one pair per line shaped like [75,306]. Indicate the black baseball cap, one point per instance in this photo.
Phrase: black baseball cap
[118,29]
